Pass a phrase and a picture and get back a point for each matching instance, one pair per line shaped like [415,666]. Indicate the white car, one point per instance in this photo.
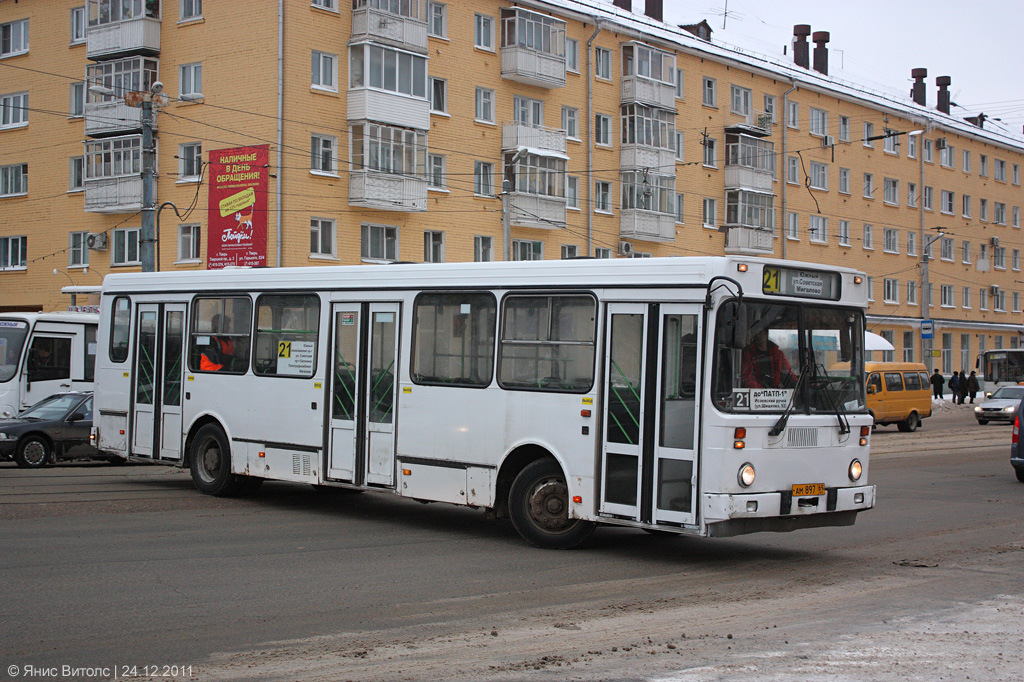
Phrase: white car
[1001,407]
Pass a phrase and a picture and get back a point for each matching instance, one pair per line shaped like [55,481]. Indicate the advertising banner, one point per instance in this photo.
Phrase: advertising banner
[237,231]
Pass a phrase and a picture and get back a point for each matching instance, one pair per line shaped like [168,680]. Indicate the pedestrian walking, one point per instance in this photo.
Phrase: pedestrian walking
[963,386]
[972,385]
[937,383]
[954,385]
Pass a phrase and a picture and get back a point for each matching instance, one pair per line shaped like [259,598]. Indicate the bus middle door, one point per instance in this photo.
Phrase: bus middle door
[159,346]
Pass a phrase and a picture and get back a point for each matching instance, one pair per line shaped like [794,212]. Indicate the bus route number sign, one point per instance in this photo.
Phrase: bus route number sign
[800,283]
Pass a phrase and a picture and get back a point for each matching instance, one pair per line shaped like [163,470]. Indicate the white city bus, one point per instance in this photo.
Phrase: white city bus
[42,354]
[1001,367]
[560,394]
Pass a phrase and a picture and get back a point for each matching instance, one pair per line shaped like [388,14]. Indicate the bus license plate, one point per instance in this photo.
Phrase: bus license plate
[805,489]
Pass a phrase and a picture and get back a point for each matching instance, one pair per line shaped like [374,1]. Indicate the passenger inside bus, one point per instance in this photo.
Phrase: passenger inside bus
[764,365]
[221,350]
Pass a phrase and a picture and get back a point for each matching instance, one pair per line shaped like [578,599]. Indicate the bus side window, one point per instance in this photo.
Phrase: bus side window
[120,313]
[219,335]
[286,335]
[49,359]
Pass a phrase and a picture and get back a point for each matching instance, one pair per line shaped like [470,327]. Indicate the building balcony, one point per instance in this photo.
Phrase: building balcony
[663,161]
[536,210]
[404,111]
[749,241]
[756,123]
[519,136]
[387,191]
[139,36]
[651,226]
[530,67]
[407,33]
[640,90]
[113,118]
[113,195]
[742,177]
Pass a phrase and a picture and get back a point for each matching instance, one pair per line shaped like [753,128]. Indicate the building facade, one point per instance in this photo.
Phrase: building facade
[390,126]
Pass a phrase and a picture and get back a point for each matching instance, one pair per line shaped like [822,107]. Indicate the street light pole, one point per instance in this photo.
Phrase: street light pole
[147,239]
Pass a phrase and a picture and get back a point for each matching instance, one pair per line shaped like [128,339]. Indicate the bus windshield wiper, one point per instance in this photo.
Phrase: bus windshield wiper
[780,425]
[844,423]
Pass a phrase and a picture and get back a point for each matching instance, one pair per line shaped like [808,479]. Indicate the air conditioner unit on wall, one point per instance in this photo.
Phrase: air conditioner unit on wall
[995,242]
[940,143]
[97,241]
[828,141]
[994,290]
[625,248]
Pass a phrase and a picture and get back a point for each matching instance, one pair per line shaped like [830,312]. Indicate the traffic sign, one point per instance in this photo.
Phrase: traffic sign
[927,329]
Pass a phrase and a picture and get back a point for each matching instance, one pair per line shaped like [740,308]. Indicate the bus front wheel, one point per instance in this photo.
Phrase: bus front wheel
[538,504]
[211,463]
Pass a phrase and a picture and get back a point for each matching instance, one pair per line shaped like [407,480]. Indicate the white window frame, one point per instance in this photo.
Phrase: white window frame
[484,105]
[911,292]
[844,180]
[998,213]
[572,55]
[983,210]
[709,96]
[869,132]
[76,174]
[680,146]
[13,110]
[891,143]
[483,32]
[603,197]
[373,234]
[817,229]
[946,249]
[190,10]
[890,240]
[965,301]
[16,247]
[129,236]
[793,115]
[709,214]
[819,176]
[999,170]
[679,81]
[740,100]
[680,216]
[602,63]
[844,128]
[572,192]
[190,160]
[571,122]
[483,248]
[818,122]
[891,191]
[570,251]
[317,143]
[79,24]
[793,226]
[76,100]
[965,252]
[326,63]
[911,243]
[189,243]
[965,160]
[792,170]
[190,81]
[869,237]
[433,246]
[890,290]
[947,295]
[331,5]
[78,249]
[602,130]
[483,179]
[710,153]
[844,233]
[869,186]
[19,26]
[965,202]
[527,249]
[770,108]
[1016,216]
[437,15]
[928,200]
[912,194]
[14,180]
[947,202]
[436,85]
[437,172]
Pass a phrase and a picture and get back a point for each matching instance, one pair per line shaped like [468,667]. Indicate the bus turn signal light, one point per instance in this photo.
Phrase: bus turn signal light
[577,499]
[865,430]
[738,435]
[741,267]
[584,413]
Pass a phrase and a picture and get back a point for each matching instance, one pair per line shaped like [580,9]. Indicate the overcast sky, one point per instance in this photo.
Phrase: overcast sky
[877,42]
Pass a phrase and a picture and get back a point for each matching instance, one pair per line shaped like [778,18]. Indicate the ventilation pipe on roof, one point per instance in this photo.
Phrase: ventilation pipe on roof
[801,50]
[943,100]
[820,39]
[918,91]
[654,9]
[624,4]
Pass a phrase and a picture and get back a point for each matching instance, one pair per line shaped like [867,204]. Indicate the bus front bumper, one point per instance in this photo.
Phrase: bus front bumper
[736,514]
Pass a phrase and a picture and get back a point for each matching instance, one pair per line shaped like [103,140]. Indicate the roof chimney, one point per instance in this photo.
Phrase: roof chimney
[978,120]
[917,92]
[801,50]
[943,99]
[624,4]
[820,39]
[654,9]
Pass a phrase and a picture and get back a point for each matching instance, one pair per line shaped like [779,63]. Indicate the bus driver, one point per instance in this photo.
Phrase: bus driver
[221,350]
[764,364]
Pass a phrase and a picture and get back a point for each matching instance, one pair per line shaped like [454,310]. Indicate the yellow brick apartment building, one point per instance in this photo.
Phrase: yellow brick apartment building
[414,130]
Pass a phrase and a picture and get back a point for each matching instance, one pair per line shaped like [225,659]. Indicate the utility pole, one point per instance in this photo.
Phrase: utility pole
[507,185]
[147,238]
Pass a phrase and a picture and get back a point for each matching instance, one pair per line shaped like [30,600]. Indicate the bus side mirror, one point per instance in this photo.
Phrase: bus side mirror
[872,389]
[738,338]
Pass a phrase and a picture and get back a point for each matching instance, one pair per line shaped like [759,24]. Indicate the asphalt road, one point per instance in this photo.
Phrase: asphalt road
[105,566]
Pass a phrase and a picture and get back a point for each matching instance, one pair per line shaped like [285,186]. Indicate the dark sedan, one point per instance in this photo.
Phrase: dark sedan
[1016,452]
[53,429]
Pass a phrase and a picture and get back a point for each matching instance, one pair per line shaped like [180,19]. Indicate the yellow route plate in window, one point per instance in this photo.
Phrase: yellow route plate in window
[805,489]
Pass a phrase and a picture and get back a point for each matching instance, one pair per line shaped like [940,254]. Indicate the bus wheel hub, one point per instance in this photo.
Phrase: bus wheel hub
[548,504]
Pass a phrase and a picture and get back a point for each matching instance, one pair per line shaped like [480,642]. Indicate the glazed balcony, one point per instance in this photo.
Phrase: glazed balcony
[373,20]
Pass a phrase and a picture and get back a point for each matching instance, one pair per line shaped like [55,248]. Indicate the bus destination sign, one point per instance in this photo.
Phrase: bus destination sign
[800,283]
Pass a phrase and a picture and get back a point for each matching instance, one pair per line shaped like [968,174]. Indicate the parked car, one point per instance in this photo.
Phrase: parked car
[1017,454]
[1001,407]
[55,428]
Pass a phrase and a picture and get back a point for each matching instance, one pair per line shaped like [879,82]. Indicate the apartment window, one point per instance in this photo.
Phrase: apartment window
[965,252]
[819,175]
[79,20]
[912,194]
[871,288]
[572,55]
[385,68]
[485,105]
[912,292]
[572,192]
[1016,174]
[929,193]
[817,229]
[433,246]
[966,155]
[78,250]
[909,340]
[679,208]
[438,95]
[600,252]
[527,111]
[12,253]
[929,153]
[792,170]
[844,180]
[946,296]
[869,236]
[793,115]
[891,191]
[535,174]
[844,128]
[891,143]
[1016,259]
[999,257]
[1016,216]
[113,157]
[869,186]
[1000,170]
[891,240]
[325,70]
[999,303]
[76,103]
[570,251]
[983,252]
[321,237]
[946,156]
[869,132]
[125,250]
[436,175]
[603,130]
[740,100]
[983,209]
[983,165]
[379,242]
[602,197]
[966,299]
[1016,307]
[190,81]
[911,243]
[710,213]
[679,84]
[983,298]
[483,178]
[326,4]
[912,146]
[571,122]
[770,107]
[13,180]
[946,249]
[844,233]
[711,153]
[191,9]
[483,33]
[190,161]
[680,146]
[483,249]
[998,213]
[14,110]
[524,249]
[891,290]
[710,98]
[603,63]
[965,200]
[819,122]
[14,38]
[76,173]
[792,226]
[947,199]
[437,20]
[188,243]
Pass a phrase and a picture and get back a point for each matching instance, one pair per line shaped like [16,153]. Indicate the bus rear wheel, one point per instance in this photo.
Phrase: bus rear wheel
[538,505]
[211,463]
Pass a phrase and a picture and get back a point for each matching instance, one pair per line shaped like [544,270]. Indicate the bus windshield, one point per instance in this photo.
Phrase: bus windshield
[1004,365]
[12,338]
[770,357]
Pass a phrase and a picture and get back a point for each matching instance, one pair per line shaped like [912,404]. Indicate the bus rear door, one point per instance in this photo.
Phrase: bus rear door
[159,345]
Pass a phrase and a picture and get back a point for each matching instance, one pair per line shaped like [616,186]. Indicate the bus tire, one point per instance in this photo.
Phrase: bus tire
[538,505]
[33,453]
[211,463]
[910,424]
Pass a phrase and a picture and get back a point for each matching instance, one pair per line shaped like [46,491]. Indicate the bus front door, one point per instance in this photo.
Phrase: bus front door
[156,417]
[651,408]
[364,393]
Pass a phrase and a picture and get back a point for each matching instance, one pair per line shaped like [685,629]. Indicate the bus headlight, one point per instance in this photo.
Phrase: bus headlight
[856,469]
[746,475]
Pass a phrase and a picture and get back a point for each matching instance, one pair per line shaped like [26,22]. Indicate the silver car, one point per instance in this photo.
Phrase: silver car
[1001,407]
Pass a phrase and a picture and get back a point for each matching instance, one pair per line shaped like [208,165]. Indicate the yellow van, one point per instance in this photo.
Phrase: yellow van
[899,393]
